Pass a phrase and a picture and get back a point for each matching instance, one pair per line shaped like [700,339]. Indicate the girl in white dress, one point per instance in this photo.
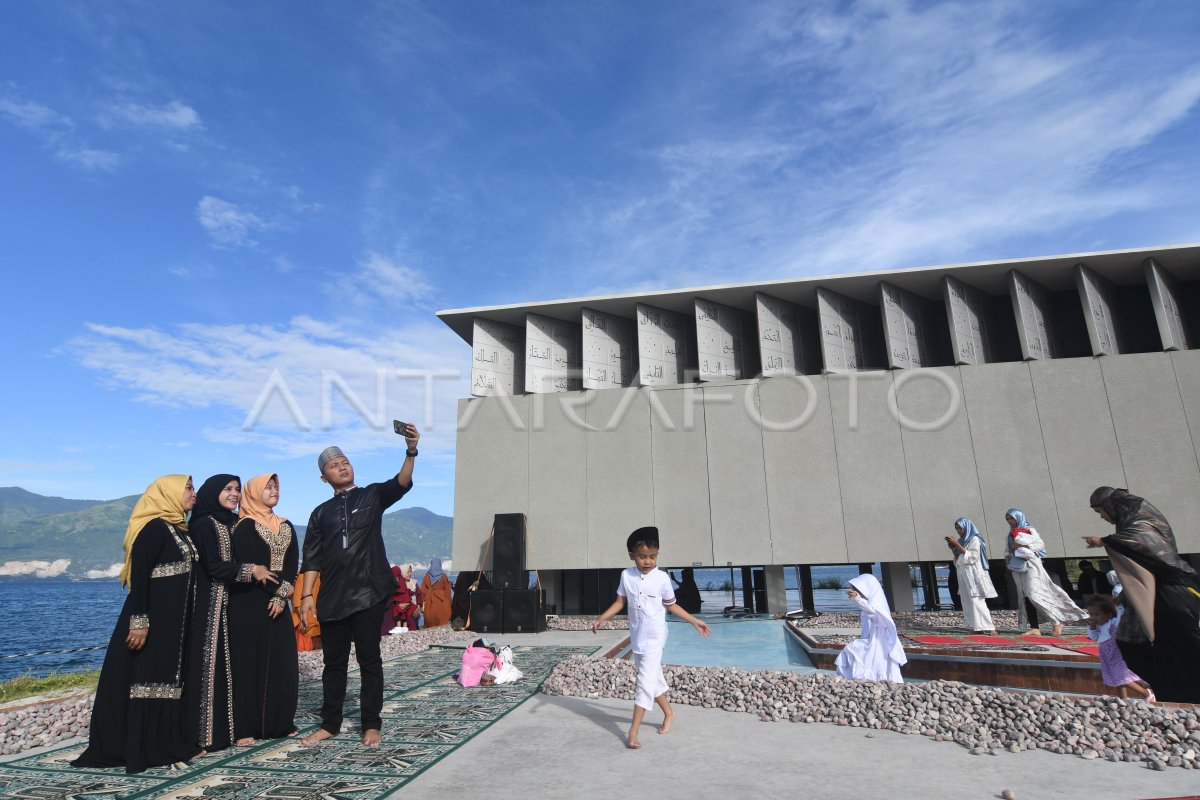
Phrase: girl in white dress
[877,656]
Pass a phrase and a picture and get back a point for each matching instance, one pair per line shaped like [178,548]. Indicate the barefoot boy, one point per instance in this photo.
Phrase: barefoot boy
[648,592]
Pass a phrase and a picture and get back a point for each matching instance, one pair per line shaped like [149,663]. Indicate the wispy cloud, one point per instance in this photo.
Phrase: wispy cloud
[171,116]
[58,134]
[284,388]
[885,134]
[379,278]
[89,158]
[228,224]
[34,116]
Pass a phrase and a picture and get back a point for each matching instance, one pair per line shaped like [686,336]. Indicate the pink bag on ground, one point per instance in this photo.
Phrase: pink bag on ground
[475,662]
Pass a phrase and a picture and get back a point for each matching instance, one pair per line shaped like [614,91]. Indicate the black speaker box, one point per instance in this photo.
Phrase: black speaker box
[512,579]
[508,544]
[487,611]
[523,611]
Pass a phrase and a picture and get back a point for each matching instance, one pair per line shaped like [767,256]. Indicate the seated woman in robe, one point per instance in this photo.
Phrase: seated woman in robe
[406,602]
[877,656]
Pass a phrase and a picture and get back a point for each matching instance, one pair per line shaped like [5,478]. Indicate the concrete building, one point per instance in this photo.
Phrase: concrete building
[842,419]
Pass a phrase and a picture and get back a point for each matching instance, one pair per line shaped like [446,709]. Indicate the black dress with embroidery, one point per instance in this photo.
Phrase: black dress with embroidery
[137,718]
[207,699]
[263,650]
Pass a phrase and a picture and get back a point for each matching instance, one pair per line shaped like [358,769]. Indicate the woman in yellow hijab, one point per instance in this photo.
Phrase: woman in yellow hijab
[137,719]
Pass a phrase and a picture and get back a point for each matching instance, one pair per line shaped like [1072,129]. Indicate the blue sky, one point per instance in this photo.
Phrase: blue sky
[203,200]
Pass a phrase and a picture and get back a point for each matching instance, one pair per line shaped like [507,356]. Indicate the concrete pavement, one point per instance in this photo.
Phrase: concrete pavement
[563,747]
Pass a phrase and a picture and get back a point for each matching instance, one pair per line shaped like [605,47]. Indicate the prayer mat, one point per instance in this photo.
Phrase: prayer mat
[426,716]
[936,639]
[996,640]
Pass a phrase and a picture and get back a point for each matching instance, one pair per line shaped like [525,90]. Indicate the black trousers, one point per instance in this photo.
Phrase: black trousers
[362,628]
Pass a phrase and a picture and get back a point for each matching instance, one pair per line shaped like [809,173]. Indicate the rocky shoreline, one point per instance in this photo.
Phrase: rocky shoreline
[39,721]
[984,720]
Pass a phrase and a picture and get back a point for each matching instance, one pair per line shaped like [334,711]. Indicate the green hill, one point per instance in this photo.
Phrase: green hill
[412,534]
[91,536]
[17,504]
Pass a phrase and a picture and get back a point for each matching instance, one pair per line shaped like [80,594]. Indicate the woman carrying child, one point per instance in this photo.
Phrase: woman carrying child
[1025,551]
[1103,619]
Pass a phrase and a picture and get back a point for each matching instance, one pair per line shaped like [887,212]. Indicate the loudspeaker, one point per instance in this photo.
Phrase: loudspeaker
[508,544]
[523,611]
[510,579]
[487,611]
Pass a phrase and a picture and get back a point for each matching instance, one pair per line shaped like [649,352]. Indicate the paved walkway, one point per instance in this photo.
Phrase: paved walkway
[437,742]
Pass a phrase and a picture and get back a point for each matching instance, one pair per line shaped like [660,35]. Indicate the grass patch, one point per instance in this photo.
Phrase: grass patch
[31,685]
[829,582]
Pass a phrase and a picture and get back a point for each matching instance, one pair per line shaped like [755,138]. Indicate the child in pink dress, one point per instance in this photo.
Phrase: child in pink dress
[1103,618]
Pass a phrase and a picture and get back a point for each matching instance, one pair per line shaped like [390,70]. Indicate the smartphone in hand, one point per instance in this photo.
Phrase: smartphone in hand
[401,428]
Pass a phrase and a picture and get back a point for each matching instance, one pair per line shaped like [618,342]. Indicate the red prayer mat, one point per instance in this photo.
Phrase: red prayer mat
[1000,640]
[936,639]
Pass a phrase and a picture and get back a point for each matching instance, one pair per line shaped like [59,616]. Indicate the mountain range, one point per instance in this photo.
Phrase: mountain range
[35,527]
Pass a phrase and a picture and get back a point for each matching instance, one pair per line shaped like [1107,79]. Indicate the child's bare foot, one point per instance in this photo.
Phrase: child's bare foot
[1056,630]
[633,743]
[371,738]
[1032,632]
[668,718]
[319,735]
[246,741]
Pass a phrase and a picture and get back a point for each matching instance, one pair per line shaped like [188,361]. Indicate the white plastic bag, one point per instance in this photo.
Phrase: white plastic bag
[505,671]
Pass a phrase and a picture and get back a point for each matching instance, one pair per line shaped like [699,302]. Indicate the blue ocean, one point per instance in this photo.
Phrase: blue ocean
[56,614]
[46,616]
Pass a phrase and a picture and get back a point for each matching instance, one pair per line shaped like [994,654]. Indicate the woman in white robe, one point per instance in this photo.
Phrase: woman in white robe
[877,656]
[1033,582]
[974,583]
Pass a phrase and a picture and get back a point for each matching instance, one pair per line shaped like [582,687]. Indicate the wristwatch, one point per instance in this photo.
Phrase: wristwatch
[411,453]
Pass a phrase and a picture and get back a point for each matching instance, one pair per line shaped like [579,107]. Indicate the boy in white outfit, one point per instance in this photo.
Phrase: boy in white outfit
[650,596]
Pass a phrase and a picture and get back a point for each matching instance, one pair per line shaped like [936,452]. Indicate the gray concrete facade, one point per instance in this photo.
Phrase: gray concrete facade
[845,465]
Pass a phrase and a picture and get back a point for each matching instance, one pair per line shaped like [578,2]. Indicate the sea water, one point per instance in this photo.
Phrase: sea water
[59,614]
[55,614]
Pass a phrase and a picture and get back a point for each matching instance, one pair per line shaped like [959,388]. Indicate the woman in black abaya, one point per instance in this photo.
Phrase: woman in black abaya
[1159,633]
[265,666]
[208,701]
[137,718]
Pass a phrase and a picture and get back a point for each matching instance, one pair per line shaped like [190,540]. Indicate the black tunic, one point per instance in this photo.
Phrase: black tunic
[265,666]
[208,702]
[137,718]
[344,542]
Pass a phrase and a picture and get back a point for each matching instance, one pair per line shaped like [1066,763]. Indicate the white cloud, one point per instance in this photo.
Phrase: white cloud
[884,134]
[32,115]
[228,224]
[89,158]
[112,572]
[57,134]
[173,115]
[191,271]
[381,278]
[300,375]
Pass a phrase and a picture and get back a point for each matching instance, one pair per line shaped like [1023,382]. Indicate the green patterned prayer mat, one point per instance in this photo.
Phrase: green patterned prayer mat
[426,716]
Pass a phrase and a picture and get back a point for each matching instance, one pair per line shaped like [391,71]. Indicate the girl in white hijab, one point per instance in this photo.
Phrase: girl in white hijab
[877,656]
